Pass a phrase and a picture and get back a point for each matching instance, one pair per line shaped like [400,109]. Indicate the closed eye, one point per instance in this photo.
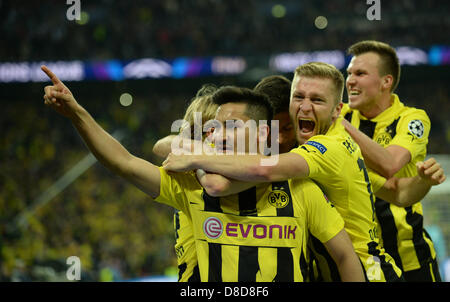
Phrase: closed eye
[298,97]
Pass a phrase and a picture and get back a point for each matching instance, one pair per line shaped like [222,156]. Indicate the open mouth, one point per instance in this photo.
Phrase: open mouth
[306,126]
[354,92]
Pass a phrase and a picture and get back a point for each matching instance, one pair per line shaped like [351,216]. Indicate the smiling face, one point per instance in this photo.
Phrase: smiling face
[365,86]
[313,107]
[243,130]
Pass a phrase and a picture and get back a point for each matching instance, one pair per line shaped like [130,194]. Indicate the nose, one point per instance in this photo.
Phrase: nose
[217,133]
[350,80]
[306,105]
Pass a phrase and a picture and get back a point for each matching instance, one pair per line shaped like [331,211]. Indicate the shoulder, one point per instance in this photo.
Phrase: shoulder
[186,180]
[327,142]
[408,113]
[330,148]
[414,121]
[306,190]
[414,112]
[304,185]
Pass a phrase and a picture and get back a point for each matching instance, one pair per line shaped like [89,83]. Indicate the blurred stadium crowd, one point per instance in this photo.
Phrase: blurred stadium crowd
[115,229]
[164,29]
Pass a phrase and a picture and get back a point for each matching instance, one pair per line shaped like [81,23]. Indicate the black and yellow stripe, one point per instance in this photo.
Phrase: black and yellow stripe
[248,263]
[410,220]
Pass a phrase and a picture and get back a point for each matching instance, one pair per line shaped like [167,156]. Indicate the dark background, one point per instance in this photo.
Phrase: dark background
[116,230]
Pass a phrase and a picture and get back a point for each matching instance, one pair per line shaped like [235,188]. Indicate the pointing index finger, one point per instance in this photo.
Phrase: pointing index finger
[50,74]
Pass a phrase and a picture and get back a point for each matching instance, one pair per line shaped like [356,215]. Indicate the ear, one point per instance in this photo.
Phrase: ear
[337,111]
[263,133]
[387,81]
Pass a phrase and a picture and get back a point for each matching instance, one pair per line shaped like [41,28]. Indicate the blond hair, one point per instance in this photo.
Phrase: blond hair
[203,103]
[323,71]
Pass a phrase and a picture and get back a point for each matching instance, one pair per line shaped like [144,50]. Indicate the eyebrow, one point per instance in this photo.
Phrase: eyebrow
[312,95]
[357,69]
[318,95]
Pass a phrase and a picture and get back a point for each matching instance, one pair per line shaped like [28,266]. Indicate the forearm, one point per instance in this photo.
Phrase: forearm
[411,190]
[105,148]
[376,157]
[341,250]
[405,191]
[163,146]
[217,185]
[108,150]
[350,269]
[239,167]
[254,168]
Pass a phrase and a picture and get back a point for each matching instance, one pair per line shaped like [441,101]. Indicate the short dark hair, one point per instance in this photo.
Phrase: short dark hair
[278,89]
[258,104]
[390,63]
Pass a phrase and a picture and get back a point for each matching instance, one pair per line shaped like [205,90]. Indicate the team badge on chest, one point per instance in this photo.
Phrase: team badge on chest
[383,138]
[279,199]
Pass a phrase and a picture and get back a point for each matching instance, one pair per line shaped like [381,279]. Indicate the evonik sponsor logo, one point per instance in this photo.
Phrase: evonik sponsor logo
[214,228]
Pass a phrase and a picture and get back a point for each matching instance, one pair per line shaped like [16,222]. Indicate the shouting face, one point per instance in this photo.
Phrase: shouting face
[313,107]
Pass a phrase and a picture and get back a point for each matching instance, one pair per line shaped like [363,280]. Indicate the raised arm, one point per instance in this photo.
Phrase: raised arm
[163,146]
[405,192]
[252,168]
[385,161]
[105,148]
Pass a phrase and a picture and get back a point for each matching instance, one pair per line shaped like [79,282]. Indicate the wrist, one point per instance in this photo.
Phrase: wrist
[78,114]
[424,181]
[195,162]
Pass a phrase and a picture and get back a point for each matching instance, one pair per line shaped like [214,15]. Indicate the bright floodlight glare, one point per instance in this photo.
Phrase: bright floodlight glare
[126,99]
[278,11]
[321,22]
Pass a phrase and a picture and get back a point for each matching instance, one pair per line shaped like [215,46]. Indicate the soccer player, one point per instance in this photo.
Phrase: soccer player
[393,138]
[278,89]
[257,235]
[331,158]
[185,244]
[202,105]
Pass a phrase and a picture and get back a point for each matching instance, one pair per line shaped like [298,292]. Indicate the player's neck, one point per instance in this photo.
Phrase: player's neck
[383,103]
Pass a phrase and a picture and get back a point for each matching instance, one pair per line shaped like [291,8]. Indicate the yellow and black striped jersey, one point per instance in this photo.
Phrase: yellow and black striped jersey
[185,248]
[337,166]
[257,235]
[402,232]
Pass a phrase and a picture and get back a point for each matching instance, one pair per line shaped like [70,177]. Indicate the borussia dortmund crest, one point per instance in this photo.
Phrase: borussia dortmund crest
[383,138]
[279,199]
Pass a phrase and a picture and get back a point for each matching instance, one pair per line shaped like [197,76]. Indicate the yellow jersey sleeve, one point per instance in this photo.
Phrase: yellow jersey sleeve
[377,180]
[172,189]
[324,222]
[412,132]
[322,155]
